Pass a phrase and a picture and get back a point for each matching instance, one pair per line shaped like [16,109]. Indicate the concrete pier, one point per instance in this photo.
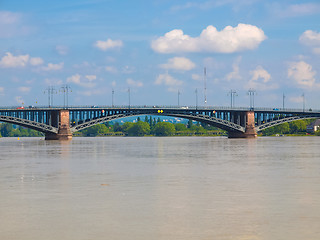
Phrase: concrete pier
[64,132]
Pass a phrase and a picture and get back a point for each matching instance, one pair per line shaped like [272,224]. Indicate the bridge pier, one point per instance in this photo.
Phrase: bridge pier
[64,132]
[250,128]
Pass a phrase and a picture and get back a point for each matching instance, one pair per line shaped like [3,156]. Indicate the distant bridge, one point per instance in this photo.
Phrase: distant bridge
[58,123]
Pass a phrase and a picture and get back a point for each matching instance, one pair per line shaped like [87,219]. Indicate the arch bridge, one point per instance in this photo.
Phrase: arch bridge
[59,123]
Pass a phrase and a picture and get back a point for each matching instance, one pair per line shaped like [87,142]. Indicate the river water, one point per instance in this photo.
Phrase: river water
[149,188]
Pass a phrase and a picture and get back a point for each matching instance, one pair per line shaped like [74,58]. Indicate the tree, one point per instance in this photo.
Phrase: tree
[138,119]
[298,126]
[164,129]
[126,126]
[99,129]
[180,127]
[190,123]
[139,129]
[146,119]
[117,127]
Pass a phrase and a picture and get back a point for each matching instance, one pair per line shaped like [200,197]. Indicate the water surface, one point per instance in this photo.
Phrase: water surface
[147,188]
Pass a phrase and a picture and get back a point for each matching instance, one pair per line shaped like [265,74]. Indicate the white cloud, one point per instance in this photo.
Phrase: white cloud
[302,73]
[235,74]
[169,81]
[311,39]
[109,44]
[62,50]
[53,67]
[36,61]
[24,89]
[111,69]
[179,63]
[229,40]
[1,90]
[197,77]
[86,81]
[133,83]
[91,77]
[10,61]
[260,79]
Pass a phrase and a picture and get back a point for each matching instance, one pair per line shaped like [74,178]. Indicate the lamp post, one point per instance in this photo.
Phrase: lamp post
[232,93]
[129,96]
[283,97]
[112,97]
[196,98]
[65,89]
[251,93]
[50,90]
[179,98]
[304,101]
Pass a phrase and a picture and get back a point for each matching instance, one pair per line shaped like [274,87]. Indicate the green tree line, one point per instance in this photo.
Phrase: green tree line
[151,126]
[7,130]
[155,127]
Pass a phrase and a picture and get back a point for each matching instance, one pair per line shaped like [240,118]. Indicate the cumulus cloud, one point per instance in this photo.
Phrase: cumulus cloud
[11,61]
[302,73]
[109,44]
[1,90]
[169,81]
[36,61]
[311,39]
[53,67]
[134,83]
[260,79]
[229,40]
[91,77]
[178,63]
[235,74]
[86,81]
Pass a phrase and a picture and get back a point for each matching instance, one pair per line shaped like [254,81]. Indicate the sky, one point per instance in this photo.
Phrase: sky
[160,52]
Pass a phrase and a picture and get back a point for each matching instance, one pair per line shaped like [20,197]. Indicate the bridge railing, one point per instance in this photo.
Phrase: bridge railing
[217,108]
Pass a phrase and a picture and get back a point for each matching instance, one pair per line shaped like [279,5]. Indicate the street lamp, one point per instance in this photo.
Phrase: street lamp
[50,90]
[112,97]
[196,98]
[251,93]
[65,89]
[179,98]
[232,93]
[129,96]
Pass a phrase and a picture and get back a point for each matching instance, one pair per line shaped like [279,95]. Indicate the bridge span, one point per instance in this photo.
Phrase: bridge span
[58,123]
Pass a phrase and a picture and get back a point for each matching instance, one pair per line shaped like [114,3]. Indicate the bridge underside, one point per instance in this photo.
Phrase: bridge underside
[59,124]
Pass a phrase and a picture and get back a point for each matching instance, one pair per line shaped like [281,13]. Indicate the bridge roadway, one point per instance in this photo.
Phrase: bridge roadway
[58,123]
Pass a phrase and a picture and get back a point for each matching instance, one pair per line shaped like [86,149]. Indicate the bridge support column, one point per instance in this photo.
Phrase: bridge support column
[250,128]
[64,132]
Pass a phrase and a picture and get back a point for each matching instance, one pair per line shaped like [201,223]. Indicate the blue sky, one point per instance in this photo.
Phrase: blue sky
[157,48]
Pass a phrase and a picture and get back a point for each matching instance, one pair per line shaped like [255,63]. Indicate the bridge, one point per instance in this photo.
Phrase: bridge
[58,123]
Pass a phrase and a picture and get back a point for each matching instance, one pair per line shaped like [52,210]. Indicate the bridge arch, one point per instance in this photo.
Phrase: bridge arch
[41,127]
[213,121]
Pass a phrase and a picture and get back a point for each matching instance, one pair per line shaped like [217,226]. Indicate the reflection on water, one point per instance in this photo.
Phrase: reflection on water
[160,188]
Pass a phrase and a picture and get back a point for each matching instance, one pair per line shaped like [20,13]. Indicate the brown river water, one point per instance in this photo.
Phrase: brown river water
[150,188]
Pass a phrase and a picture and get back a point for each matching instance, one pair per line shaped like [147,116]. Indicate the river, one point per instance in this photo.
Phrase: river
[152,188]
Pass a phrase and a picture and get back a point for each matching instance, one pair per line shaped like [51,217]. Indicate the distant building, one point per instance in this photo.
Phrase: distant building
[314,126]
